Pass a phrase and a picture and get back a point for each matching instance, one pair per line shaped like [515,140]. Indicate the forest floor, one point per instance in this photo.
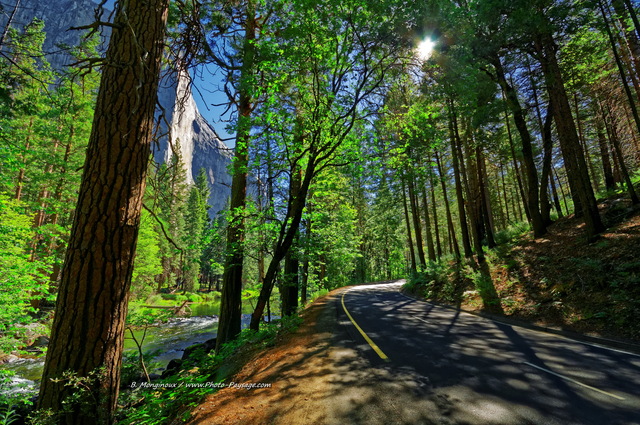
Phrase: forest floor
[558,281]
[562,281]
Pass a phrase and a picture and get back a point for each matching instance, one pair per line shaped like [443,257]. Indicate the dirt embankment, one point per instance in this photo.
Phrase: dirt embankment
[293,374]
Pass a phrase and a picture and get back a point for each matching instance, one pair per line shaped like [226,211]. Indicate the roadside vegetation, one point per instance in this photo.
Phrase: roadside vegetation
[556,281]
[463,144]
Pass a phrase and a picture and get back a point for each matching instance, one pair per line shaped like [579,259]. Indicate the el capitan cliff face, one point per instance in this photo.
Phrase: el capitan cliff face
[189,131]
[200,147]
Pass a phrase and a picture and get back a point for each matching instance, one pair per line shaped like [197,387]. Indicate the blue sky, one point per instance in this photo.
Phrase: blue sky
[206,94]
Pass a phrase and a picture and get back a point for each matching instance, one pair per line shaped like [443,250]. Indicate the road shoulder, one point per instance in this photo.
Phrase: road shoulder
[298,370]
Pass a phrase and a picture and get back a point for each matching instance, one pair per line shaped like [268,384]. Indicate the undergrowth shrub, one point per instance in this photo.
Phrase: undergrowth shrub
[161,401]
[437,281]
[512,233]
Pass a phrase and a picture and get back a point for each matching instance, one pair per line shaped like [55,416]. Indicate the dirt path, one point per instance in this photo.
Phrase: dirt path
[298,369]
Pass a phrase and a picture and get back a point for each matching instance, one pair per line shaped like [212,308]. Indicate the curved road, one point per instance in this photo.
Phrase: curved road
[424,364]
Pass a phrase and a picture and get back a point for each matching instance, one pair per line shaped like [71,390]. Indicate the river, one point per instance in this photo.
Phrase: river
[170,339]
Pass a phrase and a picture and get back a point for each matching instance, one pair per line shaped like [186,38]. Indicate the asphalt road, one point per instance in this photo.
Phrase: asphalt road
[425,364]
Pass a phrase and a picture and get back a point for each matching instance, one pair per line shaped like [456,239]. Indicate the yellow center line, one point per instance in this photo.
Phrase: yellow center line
[575,382]
[364,335]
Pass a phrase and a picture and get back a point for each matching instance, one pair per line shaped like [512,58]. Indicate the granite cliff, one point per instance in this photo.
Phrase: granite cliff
[179,120]
[182,126]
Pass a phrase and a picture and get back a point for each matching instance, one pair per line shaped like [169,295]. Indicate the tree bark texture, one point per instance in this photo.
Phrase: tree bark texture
[88,328]
[567,134]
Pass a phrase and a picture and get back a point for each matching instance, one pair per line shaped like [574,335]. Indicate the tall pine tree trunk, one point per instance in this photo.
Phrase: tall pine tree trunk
[231,298]
[568,136]
[414,266]
[435,215]
[516,169]
[427,225]
[88,329]
[453,241]
[415,214]
[455,142]
[604,152]
[532,197]
[483,186]
[547,147]
[474,204]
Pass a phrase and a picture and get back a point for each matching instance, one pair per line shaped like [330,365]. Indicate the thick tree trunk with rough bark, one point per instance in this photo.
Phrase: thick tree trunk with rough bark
[88,329]
[567,134]
[231,297]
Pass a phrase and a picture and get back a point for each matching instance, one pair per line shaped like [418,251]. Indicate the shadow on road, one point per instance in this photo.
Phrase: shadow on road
[445,368]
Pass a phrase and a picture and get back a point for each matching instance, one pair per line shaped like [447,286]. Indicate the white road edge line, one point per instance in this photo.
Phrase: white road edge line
[616,350]
[566,378]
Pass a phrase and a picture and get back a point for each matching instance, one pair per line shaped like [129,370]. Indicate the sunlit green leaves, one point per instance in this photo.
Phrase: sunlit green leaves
[21,278]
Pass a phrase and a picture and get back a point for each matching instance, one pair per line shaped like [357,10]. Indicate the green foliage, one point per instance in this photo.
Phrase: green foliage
[22,279]
[166,196]
[163,400]
[512,233]
[82,398]
[433,283]
[147,265]
[8,416]
[333,244]
[45,121]
[196,220]
[132,370]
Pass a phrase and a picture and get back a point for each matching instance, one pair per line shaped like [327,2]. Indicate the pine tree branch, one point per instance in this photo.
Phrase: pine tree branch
[166,235]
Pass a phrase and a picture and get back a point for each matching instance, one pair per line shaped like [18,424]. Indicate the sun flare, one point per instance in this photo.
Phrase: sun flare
[425,49]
